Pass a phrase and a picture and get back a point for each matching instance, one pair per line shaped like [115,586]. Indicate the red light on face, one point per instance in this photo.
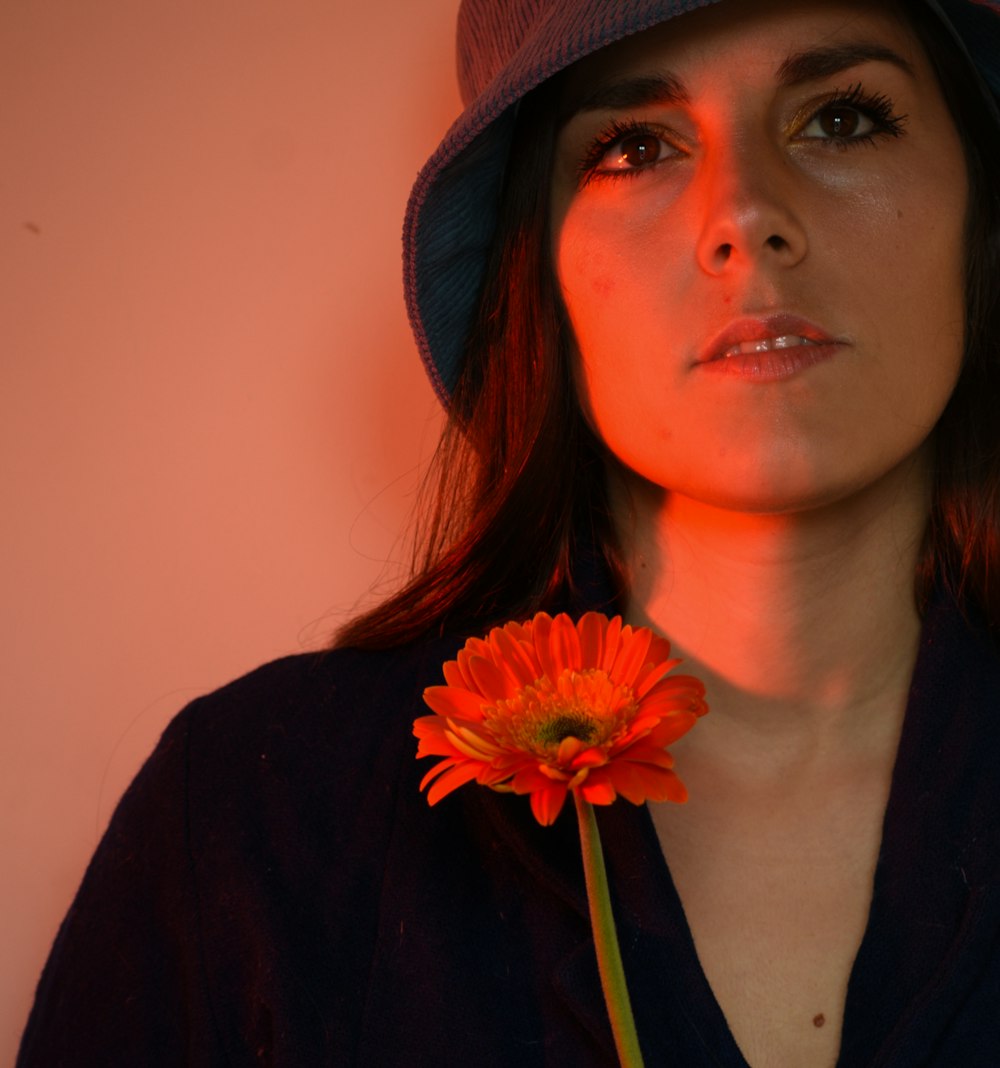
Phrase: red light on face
[783,206]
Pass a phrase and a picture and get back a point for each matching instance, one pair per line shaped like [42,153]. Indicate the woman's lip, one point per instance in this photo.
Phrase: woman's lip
[768,344]
[771,333]
[768,348]
[772,365]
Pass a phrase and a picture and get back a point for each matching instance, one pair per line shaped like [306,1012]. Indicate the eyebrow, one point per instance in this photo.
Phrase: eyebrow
[666,88]
[815,63]
[628,93]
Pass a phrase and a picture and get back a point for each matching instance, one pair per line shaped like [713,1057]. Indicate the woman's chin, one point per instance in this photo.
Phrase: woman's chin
[767,493]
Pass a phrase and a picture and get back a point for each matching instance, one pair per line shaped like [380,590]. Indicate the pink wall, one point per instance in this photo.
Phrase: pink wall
[210,401]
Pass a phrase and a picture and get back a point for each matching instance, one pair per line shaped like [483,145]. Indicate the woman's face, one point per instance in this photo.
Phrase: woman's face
[758,216]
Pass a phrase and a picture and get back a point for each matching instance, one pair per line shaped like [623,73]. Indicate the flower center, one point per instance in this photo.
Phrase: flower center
[566,725]
[580,704]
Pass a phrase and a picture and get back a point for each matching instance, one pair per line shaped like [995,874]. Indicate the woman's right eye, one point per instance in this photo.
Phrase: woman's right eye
[636,151]
[624,153]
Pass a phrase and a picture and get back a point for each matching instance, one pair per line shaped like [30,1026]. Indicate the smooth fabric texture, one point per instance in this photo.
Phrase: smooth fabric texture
[275,890]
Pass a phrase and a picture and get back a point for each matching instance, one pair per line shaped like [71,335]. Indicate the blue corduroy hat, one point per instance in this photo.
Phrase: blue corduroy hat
[505,49]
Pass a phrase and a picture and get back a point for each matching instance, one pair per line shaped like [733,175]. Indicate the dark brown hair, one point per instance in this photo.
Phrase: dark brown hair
[961,550]
[520,494]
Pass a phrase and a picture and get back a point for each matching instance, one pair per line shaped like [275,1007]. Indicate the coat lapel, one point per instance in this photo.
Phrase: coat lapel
[934,915]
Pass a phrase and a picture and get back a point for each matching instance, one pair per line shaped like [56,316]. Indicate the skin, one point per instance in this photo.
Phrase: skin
[772,527]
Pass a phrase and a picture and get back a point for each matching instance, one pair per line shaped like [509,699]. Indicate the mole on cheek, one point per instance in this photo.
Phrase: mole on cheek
[818,1020]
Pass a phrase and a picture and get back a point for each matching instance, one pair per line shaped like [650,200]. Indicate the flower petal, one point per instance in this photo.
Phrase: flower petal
[682,685]
[497,778]
[439,769]
[671,728]
[628,781]
[568,748]
[632,657]
[541,627]
[612,644]
[564,645]
[546,804]
[513,657]
[453,674]
[452,780]
[669,704]
[659,651]
[653,671]
[473,647]
[591,629]
[589,758]
[597,792]
[646,754]
[639,783]
[452,701]
[528,779]
[434,742]
[663,785]
[472,745]
[490,680]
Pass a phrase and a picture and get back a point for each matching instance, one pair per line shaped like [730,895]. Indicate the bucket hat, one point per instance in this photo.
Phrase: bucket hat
[505,49]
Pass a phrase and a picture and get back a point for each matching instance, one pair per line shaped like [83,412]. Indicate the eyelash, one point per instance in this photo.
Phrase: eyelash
[877,107]
[615,131]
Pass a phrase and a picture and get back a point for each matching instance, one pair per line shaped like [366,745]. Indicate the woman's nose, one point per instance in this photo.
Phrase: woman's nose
[748,215]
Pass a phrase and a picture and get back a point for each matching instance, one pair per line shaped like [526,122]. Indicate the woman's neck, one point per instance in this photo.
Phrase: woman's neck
[803,626]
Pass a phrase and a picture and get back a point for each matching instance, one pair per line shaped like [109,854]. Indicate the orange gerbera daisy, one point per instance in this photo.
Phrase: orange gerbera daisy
[549,706]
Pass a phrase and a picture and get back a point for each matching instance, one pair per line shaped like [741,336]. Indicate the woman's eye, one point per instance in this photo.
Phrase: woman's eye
[839,123]
[634,152]
[853,117]
[627,148]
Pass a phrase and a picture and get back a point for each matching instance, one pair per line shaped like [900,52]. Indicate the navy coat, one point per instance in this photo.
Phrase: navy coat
[275,890]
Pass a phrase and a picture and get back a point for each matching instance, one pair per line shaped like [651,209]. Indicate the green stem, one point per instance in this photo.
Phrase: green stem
[609,958]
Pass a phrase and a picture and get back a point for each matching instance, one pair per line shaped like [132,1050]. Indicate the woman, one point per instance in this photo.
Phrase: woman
[721,356]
